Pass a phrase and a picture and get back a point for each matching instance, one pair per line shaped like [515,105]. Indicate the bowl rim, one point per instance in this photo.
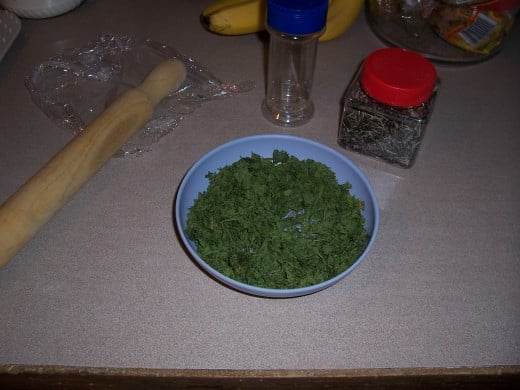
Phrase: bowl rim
[264,291]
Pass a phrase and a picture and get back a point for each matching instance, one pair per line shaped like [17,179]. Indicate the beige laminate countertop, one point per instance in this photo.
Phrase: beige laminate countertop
[107,283]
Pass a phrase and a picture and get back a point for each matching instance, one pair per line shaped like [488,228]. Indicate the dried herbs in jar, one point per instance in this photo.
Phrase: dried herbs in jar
[388,104]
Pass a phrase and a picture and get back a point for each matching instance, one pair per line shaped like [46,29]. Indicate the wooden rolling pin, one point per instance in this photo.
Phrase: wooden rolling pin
[49,189]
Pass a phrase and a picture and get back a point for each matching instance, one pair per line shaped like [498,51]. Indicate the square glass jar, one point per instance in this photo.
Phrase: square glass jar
[380,130]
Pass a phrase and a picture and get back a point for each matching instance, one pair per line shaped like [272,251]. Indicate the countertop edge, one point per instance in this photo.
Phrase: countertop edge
[50,377]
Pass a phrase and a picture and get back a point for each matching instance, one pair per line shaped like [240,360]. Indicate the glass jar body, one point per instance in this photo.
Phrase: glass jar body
[378,130]
[290,74]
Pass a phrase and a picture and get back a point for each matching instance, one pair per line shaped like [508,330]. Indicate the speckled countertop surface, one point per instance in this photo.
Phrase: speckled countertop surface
[108,283]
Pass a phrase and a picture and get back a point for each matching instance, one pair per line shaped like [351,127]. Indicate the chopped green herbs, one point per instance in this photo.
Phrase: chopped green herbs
[277,222]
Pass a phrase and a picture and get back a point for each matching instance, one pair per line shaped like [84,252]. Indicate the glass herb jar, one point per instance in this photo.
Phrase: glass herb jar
[388,104]
[294,28]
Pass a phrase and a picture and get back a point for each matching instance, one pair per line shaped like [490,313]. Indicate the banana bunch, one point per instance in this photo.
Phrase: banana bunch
[238,17]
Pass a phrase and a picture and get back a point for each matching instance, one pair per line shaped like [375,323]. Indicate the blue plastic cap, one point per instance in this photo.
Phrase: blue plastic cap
[298,17]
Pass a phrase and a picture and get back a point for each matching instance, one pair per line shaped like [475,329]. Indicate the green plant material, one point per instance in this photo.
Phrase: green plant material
[277,222]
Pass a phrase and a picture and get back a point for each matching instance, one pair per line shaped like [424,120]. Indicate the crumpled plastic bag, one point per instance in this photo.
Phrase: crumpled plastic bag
[76,85]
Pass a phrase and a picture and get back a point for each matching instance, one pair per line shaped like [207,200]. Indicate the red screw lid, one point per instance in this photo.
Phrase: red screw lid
[398,77]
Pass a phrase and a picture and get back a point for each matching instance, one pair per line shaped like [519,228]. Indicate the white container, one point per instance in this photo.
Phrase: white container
[39,9]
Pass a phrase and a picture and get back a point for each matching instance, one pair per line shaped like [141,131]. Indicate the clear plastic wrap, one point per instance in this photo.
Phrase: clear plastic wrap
[77,84]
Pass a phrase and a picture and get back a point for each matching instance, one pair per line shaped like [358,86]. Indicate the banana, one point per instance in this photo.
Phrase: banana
[235,17]
[238,17]
[340,17]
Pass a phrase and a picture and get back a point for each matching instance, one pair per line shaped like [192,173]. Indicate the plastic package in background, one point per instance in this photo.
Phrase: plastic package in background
[76,85]
[451,31]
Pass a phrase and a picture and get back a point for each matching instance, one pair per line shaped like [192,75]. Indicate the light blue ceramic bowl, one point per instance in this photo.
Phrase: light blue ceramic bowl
[195,181]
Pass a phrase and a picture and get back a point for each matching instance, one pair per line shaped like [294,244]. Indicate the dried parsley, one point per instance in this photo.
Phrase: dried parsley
[277,222]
